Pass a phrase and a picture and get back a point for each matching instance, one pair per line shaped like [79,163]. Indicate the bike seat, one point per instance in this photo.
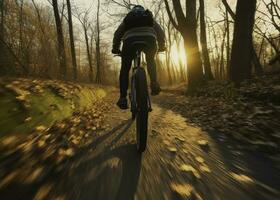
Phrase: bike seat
[139,45]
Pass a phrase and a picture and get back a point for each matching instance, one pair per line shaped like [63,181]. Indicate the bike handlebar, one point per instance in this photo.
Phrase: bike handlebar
[120,55]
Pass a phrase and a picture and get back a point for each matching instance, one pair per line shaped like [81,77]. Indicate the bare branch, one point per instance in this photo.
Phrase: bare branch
[174,23]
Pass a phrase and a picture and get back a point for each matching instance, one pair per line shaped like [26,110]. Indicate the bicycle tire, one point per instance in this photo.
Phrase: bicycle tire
[143,110]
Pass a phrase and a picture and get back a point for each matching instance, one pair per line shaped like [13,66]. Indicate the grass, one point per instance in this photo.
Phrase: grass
[43,108]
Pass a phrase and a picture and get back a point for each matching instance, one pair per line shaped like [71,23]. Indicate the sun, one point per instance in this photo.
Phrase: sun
[178,55]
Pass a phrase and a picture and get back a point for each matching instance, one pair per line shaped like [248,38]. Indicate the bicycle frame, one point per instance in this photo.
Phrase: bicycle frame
[140,112]
[136,67]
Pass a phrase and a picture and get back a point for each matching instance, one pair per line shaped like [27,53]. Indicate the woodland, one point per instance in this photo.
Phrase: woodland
[62,40]
[213,132]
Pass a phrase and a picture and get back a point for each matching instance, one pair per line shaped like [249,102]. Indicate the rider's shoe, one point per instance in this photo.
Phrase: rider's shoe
[122,103]
[155,89]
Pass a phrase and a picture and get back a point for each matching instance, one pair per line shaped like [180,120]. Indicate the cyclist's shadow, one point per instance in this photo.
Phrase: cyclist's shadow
[118,179]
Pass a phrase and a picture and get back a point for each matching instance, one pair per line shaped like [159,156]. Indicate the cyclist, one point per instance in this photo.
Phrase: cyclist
[138,25]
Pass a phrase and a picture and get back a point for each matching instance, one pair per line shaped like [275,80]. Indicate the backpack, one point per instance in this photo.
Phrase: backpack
[139,18]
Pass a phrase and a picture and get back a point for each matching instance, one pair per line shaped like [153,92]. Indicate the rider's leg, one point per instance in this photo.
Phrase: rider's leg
[151,63]
[151,67]
[123,81]
[124,75]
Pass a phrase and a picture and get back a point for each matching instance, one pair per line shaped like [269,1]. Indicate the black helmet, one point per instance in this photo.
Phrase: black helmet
[138,8]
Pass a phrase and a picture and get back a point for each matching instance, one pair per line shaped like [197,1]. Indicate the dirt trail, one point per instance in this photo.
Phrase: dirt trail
[181,162]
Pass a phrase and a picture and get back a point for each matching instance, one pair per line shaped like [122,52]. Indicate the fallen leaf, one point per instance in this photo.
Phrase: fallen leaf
[204,168]
[183,190]
[34,175]
[61,125]
[28,119]
[172,149]
[41,143]
[241,178]
[8,140]
[203,143]
[21,98]
[40,128]
[43,191]
[8,179]
[69,152]
[188,169]
[199,159]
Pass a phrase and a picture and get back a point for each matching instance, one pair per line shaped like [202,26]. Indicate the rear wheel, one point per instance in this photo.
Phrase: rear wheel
[143,112]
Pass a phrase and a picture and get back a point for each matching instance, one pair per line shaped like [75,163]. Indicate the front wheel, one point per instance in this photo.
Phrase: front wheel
[142,109]
[142,130]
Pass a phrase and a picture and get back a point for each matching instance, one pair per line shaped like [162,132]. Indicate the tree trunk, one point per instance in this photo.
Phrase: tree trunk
[44,43]
[228,44]
[89,56]
[187,25]
[255,58]
[273,45]
[216,57]
[7,54]
[168,55]
[21,49]
[168,65]
[261,48]
[20,21]
[194,62]
[98,53]
[72,42]
[242,55]
[3,58]
[256,62]
[203,41]
[222,63]
[2,10]
[60,41]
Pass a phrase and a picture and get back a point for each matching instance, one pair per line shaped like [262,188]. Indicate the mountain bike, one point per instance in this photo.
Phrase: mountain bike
[139,98]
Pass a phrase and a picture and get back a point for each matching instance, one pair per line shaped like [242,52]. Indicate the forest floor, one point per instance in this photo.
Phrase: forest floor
[249,115]
[29,104]
[204,147]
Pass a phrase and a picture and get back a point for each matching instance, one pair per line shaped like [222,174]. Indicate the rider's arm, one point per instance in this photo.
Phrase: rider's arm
[160,35]
[118,36]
